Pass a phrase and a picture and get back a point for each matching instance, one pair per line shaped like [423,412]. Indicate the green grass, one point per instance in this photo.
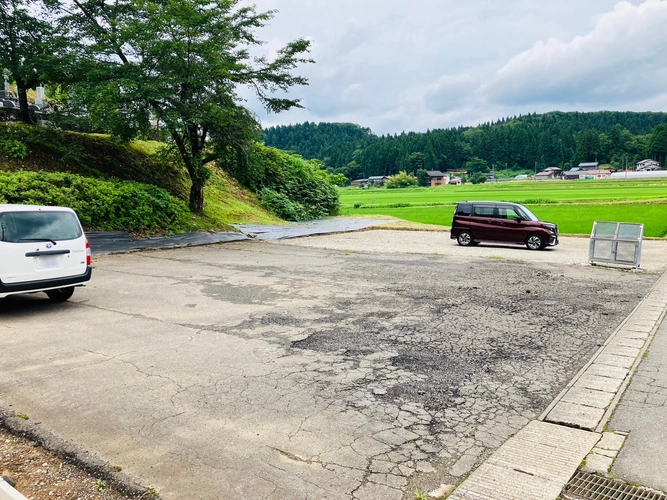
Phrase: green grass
[226,201]
[572,205]
[100,157]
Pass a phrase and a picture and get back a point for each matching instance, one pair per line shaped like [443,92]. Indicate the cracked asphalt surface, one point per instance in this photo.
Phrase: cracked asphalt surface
[257,370]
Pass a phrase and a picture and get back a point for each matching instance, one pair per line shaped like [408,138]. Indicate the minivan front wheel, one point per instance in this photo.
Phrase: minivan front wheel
[535,242]
[465,238]
[60,294]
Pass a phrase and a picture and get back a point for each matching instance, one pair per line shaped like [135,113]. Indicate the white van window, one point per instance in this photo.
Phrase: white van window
[18,227]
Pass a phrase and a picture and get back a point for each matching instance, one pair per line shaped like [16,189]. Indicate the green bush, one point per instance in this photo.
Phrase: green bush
[282,206]
[14,149]
[100,204]
[478,178]
[400,180]
[53,150]
[288,185]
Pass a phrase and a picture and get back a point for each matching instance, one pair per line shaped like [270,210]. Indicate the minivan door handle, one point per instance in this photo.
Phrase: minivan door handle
[47,252]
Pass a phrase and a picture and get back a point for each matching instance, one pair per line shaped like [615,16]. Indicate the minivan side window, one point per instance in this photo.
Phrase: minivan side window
[463,209]
[508,213]
[16,227]
[482,211]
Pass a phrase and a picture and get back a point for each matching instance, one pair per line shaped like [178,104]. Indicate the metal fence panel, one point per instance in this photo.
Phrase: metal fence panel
[616,243]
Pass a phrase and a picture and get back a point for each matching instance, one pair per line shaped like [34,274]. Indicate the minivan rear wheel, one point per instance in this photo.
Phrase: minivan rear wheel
[465,238]
[60,294]
[535,242]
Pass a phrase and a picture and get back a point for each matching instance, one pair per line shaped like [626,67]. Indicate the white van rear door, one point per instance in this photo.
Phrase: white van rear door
[40,245]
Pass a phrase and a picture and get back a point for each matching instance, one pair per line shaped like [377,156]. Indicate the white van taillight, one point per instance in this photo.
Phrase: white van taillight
[89,254]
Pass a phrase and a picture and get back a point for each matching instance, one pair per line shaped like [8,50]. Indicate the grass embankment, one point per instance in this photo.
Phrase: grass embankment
[109,164]
[573,205]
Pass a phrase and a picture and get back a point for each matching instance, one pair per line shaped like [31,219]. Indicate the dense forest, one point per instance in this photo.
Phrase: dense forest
[508,146]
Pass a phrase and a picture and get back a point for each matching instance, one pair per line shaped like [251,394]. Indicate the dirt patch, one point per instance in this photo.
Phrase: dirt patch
[39,474]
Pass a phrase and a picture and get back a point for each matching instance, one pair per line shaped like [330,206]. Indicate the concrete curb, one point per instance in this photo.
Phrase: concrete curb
[70,453]
[537,462]
[7,492]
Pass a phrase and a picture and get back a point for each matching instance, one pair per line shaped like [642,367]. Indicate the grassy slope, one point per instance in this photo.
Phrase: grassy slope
[98,156]
[572,205]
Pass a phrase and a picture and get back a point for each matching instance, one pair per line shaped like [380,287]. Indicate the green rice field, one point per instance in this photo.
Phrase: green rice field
[573,205]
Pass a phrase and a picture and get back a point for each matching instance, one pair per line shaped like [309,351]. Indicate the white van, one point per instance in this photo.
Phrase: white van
[42,249]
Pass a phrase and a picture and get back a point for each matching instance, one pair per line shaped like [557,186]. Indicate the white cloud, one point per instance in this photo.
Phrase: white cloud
[620,60]
[394,66]
[451,92]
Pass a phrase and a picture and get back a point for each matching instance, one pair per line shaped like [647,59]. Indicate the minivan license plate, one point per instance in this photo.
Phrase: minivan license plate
[48,262]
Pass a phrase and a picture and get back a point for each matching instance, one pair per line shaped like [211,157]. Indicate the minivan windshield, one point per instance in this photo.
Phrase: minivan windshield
[526,214]
[17,227]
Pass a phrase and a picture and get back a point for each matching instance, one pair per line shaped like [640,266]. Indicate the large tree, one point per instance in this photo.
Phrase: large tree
[179,63]
[658,144]
[24,48]
[588,146]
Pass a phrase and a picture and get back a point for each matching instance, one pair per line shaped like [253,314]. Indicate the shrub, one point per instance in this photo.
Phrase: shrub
[100,204]
[50,149]
[400,180]
[282,206]
[339,180]
[288,185]
[14,149]
[478,178]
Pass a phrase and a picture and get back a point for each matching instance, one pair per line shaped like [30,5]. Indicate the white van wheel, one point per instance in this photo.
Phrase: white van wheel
[60,294]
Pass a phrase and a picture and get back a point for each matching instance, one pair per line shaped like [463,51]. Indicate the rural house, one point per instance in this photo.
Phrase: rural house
[586,174]
[549,174]
[593,165]
[377,180]
[572,174]
[437,178]
[647,166]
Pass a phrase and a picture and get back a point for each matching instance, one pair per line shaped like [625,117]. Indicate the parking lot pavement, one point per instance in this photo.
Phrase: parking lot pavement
[257,370]
[570,251]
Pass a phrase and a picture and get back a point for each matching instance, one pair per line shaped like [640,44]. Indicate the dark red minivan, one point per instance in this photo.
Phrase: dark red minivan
[499,222]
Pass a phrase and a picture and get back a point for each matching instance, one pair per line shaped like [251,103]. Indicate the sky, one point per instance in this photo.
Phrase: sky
[397,65]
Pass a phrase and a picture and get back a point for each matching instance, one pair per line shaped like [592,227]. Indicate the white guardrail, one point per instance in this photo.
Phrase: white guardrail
[617,243]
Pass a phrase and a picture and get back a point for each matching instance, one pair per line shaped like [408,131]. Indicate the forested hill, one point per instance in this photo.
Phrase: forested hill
[517,143]
[333,143]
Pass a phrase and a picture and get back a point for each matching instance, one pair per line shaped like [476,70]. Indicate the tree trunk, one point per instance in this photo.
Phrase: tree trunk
[24,112]
[197,195]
